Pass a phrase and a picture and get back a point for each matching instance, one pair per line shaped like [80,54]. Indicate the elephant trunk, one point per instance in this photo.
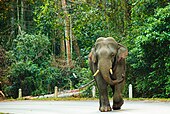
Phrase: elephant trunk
[105,68]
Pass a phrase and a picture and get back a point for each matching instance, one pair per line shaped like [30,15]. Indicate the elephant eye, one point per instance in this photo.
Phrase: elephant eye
[112,54]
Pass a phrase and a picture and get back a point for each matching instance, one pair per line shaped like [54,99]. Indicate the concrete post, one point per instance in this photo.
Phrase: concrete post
[55,92]
[130,91]
[20,93]
[93,91]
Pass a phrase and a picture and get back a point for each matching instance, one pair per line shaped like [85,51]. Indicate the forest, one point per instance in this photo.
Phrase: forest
[45,43]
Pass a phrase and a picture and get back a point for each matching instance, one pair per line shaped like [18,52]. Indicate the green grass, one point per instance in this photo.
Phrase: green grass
[95,99]
[86,99]
[149,99]
[67,99]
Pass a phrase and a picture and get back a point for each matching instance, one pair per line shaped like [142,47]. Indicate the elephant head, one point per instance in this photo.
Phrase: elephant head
[105,55]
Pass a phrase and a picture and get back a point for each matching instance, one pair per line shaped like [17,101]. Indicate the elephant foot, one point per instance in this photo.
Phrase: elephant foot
[105,109]
[117,105]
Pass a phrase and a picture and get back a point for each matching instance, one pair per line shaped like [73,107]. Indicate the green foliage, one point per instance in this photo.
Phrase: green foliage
[29,61]
[93,22]
[84,76]
[30,69]
[31,48]
[150,58]
[47,17]
[142,25]
[2,63]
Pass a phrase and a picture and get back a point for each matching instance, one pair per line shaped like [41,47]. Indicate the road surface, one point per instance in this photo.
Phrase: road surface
[81,107]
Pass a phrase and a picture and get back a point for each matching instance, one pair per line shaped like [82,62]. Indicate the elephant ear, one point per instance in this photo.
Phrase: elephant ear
[92,56]
[122,52]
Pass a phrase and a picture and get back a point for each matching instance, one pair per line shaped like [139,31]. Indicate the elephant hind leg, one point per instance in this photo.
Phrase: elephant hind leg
[117,105]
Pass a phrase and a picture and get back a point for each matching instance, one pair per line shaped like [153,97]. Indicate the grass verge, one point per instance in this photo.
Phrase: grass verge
[93,99]
[149,99]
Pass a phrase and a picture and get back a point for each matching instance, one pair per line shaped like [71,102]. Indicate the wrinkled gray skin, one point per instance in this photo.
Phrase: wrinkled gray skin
[105,55]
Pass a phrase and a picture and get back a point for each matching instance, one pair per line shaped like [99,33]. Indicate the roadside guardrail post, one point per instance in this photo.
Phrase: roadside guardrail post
[55,92]
[130,91]
[20,93]
[93,91]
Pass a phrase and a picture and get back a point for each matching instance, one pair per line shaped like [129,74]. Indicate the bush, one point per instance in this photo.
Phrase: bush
[29,59]
[149,58]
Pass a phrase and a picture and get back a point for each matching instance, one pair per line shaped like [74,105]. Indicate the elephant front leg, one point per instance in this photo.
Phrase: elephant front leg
[117,98]
[104,102]
[103,96]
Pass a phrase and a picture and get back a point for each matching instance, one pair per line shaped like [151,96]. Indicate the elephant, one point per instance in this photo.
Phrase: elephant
[107,63]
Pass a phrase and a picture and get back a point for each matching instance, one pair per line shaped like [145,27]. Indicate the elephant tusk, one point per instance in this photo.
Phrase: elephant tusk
[96,73]
[111,71]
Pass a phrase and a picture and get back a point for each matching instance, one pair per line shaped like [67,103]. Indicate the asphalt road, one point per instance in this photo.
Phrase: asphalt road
[81,107]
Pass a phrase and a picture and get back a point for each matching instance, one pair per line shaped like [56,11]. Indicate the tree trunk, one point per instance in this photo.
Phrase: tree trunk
[60,35]
[22,15]
[18,19]
[12,34]
[67,32]
[62,48]
[127,13]
[71,38]
[77,51]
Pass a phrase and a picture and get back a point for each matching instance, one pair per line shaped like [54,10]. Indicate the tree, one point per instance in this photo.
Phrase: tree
[148,57]
[29,59]
[67,32]
[139,24]
[2,64]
